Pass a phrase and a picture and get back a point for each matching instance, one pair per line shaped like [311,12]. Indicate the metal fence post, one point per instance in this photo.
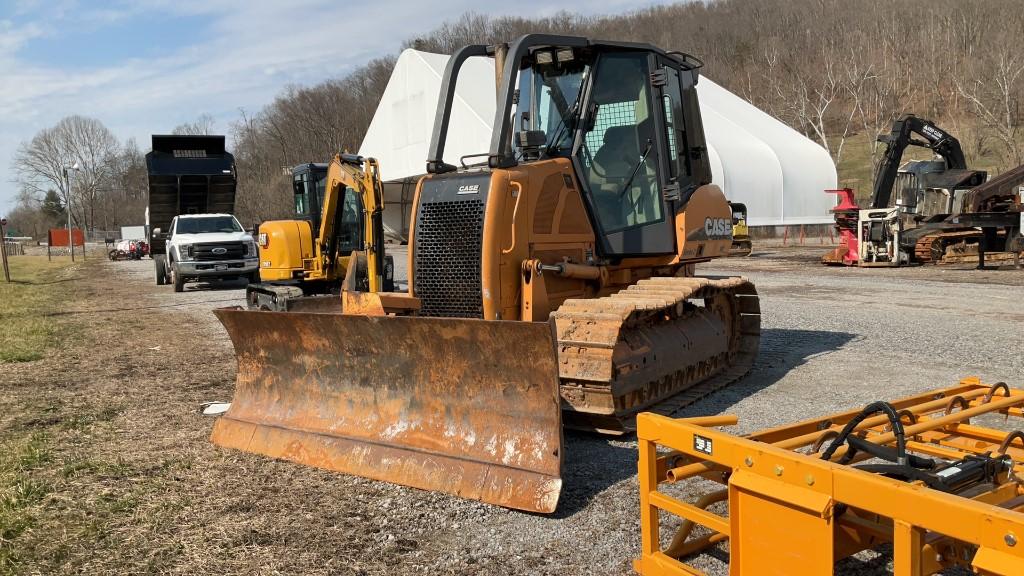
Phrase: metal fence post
[3,248]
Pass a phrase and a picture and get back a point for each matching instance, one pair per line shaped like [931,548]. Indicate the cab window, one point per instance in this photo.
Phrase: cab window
[350,234]
[617,154]
[302,199]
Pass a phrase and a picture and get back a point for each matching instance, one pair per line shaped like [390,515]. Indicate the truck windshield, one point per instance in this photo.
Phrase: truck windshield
[209,225]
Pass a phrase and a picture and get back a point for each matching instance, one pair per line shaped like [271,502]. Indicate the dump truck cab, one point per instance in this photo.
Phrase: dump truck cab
[202,247]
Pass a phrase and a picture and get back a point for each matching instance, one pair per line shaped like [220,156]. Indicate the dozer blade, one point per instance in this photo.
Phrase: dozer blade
[467,407]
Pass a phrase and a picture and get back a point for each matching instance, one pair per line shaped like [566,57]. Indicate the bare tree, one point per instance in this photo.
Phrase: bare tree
[41,164]
[202,126]
[994,95]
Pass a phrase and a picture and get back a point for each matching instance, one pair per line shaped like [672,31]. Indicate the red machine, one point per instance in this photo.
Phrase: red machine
[846,213]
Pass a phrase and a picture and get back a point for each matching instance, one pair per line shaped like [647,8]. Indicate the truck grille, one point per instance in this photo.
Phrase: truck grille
[212,251]
[448,241]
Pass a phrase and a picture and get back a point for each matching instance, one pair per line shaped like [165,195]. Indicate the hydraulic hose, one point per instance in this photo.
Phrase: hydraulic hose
[870,410]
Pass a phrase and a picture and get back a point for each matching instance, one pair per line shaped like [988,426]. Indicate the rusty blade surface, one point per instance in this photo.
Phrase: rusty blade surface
[467,407]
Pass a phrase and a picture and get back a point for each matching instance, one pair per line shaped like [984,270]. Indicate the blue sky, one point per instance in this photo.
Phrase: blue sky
[145,66]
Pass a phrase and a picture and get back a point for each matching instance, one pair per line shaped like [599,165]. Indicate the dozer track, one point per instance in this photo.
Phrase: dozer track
[658,346]
[741,248]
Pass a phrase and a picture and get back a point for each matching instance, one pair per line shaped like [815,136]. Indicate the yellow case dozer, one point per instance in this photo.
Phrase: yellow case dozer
[551,283]
[742,245]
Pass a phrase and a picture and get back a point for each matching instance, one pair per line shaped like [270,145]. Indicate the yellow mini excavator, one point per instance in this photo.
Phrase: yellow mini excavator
[338,221]
[551,282]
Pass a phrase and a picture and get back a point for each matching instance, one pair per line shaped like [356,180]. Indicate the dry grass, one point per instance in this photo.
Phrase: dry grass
[106,466]
[37,286]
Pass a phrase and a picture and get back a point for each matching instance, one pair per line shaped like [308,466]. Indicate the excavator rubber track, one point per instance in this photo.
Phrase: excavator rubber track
[658,345]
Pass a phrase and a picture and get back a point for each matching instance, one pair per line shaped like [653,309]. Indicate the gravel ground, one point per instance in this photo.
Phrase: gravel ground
[833,339]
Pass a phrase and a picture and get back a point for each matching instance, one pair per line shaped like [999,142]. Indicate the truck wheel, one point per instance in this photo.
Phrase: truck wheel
[177,279]
[161,271]
[254,277]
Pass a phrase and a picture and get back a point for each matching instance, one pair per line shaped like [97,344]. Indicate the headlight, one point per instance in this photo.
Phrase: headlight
[250,249]
[184,251]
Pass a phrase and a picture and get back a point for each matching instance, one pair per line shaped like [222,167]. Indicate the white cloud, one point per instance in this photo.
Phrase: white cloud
[255,49]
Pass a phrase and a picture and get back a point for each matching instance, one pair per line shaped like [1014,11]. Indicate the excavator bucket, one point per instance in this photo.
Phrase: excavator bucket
[467,407]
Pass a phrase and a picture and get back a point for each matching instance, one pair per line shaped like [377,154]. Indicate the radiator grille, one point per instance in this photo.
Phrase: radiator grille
[447,258]
[212,251]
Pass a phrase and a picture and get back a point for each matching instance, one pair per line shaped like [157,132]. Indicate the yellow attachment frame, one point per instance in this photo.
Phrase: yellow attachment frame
[792,513]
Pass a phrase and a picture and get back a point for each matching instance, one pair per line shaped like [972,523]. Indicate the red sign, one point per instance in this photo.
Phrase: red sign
[59,237]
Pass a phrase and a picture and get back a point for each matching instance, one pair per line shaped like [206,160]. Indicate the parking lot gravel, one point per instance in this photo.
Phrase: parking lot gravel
[833,339]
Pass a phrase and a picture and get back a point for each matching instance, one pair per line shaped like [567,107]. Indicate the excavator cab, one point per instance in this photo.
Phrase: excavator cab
[551,282]
[308,185]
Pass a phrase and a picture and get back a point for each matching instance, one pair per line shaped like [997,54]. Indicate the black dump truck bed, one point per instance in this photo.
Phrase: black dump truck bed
[188,175]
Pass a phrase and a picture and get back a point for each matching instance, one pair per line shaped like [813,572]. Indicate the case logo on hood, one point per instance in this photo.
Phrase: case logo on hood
[718,228]
[469,189]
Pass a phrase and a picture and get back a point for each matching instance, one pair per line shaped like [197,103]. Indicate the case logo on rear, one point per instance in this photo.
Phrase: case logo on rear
[718,228]
[469,189]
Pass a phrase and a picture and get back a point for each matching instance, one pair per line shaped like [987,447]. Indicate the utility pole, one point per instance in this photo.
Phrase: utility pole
[71,238]
[3,248]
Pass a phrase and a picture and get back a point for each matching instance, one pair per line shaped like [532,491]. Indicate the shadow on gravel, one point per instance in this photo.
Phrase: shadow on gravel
[593,463]
[590,466]
[781,350]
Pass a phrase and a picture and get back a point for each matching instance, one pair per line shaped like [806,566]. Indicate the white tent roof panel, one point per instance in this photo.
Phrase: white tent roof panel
[756,159]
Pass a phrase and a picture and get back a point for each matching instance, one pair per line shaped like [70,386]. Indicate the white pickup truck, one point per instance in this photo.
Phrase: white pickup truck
[207,246]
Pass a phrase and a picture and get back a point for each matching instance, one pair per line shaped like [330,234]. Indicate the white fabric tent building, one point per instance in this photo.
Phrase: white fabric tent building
[757,160]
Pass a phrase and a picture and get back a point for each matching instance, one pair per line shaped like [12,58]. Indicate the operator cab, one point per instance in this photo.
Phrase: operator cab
[622,114]
[309,186]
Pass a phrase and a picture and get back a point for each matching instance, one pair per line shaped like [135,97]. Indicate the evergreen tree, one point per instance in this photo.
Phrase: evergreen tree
[52,207]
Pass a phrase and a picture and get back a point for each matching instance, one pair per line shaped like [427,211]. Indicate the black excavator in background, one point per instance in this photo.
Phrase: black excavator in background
[932,210]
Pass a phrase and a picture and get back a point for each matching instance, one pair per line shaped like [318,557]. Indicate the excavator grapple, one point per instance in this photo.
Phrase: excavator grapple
[919,474]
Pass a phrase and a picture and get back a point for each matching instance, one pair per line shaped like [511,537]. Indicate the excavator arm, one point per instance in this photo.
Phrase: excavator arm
[348,173]
[934,138]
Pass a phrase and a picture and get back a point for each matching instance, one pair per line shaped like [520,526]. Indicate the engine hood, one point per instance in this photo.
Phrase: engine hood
[212,237]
